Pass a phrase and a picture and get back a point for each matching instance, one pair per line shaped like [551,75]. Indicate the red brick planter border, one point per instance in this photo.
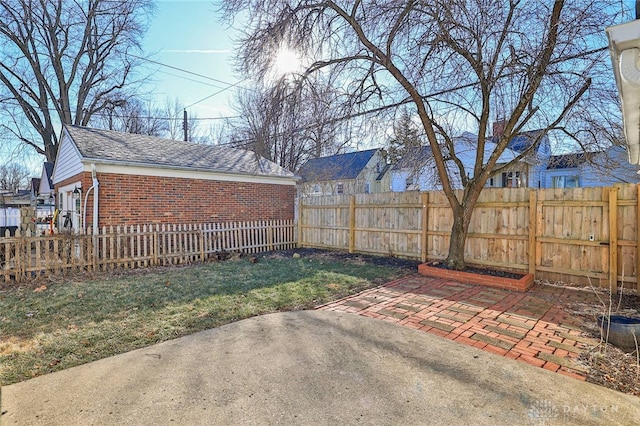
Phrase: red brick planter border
[513,284]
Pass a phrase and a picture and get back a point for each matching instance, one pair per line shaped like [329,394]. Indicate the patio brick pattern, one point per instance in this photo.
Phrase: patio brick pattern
[530,327]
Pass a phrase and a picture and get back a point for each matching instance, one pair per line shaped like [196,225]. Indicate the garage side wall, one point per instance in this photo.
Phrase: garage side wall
[136,200]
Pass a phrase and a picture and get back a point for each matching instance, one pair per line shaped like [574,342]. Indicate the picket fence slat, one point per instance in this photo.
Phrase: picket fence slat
[24,257]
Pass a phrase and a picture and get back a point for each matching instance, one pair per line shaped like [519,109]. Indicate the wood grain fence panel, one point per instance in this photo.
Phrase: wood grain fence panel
[558,234]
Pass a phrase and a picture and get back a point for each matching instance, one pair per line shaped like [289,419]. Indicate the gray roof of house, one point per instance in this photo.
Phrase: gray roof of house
[334,167]
[128,148]
[524,140]
[568,161]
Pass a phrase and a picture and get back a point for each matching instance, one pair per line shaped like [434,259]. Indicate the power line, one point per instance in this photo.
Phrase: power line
[142,117]
[190,79]
[184,71]
[216,93]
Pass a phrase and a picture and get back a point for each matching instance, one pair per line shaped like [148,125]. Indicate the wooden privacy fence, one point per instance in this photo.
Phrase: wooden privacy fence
[25,256]
[580,235]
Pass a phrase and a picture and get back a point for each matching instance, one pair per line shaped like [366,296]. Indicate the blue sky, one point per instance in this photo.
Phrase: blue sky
[188,35]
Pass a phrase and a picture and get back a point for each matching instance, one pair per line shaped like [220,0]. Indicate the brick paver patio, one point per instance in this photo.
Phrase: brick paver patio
[530,327]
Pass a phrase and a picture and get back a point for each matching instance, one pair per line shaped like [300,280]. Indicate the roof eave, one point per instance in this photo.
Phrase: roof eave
[182,168]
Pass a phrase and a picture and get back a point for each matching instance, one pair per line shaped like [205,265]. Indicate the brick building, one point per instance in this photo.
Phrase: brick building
[147,180]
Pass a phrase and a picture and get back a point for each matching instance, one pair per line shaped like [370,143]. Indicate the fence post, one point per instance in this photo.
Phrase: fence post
[352,223]
[613,239]
[425,226]
[533,204]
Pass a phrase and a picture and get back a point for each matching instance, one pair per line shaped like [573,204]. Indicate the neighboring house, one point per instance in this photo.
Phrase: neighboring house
[352,173]
[34,187]
[147,180]
[417,170]
[602,168]
[43,194]
[20,198]
[530,171]
[45,189]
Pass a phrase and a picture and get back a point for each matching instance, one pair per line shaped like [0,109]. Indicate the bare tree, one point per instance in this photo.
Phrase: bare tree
[289,122]
[133,116]
[63,62]
[406,137]
[13,177]
[535,64]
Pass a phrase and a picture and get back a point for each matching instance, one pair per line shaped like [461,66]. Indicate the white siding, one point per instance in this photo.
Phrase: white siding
[399,180]
[44,183]
[68,162]
[9,216]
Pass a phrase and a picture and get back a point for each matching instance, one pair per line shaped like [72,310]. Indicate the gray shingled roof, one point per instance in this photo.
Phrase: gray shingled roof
[48,168]
[118,147]
[334,167]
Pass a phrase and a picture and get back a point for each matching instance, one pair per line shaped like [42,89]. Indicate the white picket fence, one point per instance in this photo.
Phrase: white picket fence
[27,256]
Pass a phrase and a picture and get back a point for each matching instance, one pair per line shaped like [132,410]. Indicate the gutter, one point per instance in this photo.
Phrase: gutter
[95,161]
[624,47]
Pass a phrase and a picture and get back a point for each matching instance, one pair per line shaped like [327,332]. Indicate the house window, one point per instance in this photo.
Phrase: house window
[565,182]
[316,189]
[491,182]
[511,180]
[367,188]
[340,188]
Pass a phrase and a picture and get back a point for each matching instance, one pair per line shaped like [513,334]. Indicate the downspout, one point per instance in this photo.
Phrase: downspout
[95,199]
[94,186]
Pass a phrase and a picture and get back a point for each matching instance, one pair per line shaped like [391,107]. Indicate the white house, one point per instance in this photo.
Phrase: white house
[416,171]
[359,172]
[602,168]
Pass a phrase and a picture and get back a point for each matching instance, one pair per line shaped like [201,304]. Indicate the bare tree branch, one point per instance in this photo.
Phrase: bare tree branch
[61,62]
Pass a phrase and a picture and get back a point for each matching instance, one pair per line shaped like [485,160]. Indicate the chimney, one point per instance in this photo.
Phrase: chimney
[498,128]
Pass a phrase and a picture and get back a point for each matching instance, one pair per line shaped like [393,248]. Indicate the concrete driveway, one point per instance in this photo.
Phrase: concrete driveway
[312,367]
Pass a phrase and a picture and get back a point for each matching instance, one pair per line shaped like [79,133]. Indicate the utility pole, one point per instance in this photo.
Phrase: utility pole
[184,125]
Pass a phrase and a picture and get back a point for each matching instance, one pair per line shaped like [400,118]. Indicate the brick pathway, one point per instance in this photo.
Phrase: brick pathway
[530,327]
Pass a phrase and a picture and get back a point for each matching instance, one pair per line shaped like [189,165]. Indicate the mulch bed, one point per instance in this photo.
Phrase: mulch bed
[481,271]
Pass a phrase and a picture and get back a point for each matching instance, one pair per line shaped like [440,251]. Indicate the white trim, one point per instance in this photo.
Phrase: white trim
[186,174]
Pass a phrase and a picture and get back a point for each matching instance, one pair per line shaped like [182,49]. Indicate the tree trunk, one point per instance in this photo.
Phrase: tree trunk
[455,258]
[461,218]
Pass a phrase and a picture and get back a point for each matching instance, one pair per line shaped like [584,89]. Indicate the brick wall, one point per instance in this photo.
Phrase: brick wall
[133,200]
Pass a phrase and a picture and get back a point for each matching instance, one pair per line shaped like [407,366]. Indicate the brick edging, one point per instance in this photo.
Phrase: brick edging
[520,285]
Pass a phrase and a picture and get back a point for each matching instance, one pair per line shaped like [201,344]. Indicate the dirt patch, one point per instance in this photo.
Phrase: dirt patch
[339,256]
[610,366]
